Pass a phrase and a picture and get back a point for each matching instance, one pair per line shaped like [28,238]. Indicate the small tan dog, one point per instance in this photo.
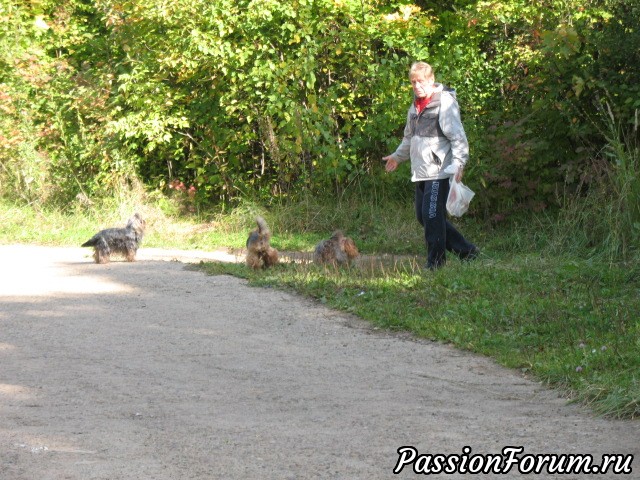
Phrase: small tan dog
[260,254]
[337,250]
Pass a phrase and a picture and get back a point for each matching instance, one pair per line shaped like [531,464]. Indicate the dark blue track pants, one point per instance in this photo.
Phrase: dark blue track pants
[439,234]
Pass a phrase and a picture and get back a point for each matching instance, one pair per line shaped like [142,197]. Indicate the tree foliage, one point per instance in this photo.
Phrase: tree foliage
[267,99]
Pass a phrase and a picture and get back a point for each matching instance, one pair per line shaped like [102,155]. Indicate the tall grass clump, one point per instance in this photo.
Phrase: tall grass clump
[380,222]
[24,169]
[605,221]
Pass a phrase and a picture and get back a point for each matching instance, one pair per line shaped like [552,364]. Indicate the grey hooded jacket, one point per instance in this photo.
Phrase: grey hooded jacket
[434,139]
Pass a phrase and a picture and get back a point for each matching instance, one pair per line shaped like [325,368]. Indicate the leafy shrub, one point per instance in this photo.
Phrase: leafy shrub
[274,100]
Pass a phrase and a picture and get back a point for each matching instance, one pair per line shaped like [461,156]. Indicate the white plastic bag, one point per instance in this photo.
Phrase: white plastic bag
[459,198]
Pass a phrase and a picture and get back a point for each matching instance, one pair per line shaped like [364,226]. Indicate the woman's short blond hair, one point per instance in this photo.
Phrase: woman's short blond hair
[421,68]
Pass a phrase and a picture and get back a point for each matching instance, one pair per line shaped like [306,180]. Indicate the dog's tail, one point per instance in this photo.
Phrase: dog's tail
[263,228]
[91,242]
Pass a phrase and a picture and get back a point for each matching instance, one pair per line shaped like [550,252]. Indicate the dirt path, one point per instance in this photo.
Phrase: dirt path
[152,371]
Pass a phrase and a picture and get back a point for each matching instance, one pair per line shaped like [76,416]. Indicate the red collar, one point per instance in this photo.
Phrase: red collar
[421,103]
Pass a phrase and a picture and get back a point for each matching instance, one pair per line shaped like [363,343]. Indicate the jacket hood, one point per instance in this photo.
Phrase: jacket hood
[450,90]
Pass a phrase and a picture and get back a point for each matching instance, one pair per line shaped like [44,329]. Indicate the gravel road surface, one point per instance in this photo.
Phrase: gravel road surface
[149,370]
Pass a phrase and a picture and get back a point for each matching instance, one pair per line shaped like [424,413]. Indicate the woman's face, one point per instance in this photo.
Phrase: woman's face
[422,87]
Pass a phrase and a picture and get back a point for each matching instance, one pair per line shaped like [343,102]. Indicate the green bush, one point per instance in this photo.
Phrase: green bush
[275,100]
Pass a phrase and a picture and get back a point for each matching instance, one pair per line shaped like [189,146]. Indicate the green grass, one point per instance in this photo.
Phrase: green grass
[570,321]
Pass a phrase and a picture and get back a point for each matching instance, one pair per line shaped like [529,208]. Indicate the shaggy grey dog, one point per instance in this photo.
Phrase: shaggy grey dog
[124,241]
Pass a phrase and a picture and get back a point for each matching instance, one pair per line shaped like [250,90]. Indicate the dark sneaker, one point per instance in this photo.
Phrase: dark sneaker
[471,254]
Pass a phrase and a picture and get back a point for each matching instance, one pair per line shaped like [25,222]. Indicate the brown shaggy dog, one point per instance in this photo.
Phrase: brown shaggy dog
[337,250]
[260,254]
